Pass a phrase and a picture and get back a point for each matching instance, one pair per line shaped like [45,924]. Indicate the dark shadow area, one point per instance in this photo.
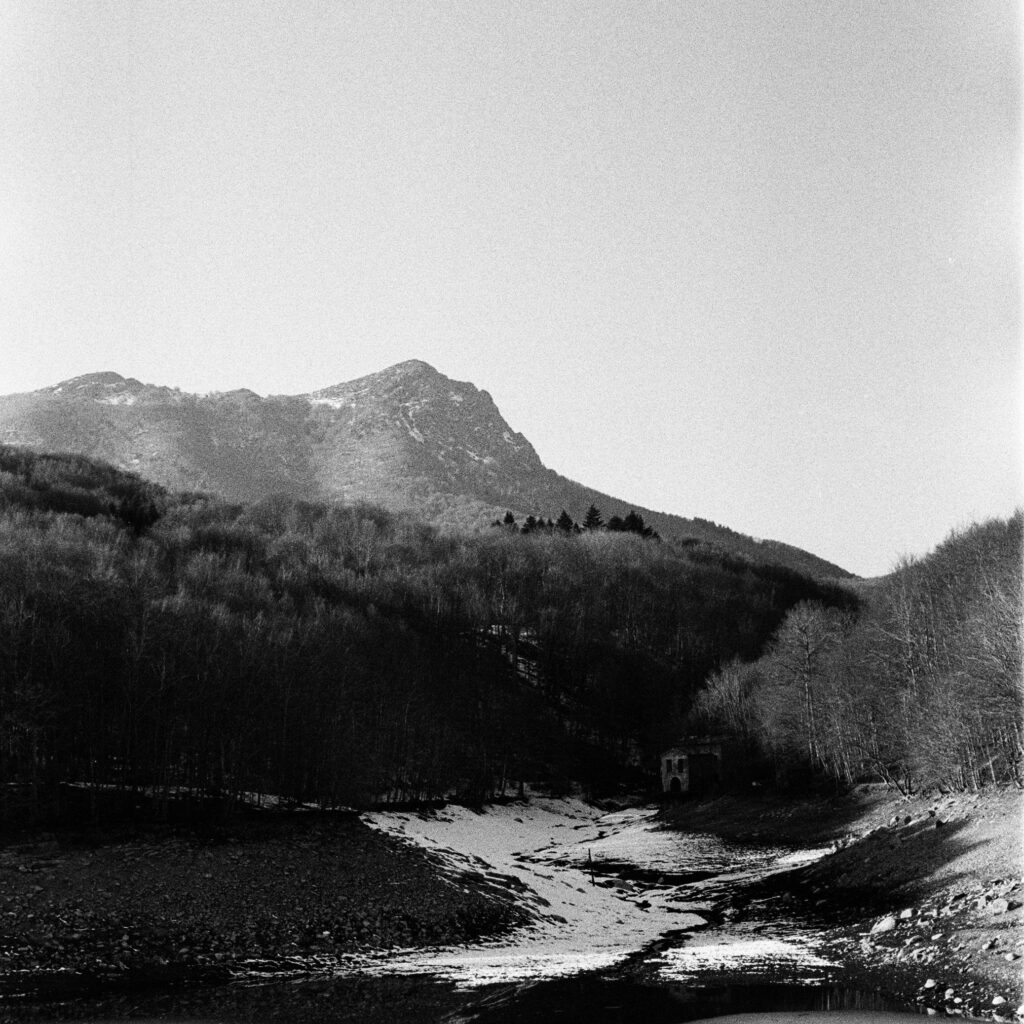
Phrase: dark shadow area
[602,1001]
[766,817]
[364,1000]
[423,1000]
[861,877]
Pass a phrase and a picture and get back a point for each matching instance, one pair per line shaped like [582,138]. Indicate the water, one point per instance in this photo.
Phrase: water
[657,975]
[595,999]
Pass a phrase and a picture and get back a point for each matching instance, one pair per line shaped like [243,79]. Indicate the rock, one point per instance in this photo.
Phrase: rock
[906,914]
[998,1000]
[886,924]
[1011,956]
[1002,905]
[949,993]
[930,983]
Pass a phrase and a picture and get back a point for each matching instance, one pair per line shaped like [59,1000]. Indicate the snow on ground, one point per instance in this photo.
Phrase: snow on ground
[780,959]
[546,847]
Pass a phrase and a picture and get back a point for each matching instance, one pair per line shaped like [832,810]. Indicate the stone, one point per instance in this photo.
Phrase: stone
[886,924]
[930,983]
[998,1000]
[949,993]
[906,914]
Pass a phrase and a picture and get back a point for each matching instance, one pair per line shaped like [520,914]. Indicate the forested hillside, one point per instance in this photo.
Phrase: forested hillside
[922,688]
[163,643]
[408,439]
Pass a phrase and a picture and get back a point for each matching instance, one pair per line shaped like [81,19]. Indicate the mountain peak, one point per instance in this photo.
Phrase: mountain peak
[412,367]
[406,437]
[103,386]
[104,378]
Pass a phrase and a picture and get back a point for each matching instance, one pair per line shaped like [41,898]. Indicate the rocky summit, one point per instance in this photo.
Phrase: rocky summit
[407,438]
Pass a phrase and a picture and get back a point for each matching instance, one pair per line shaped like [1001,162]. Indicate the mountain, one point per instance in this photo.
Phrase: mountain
[407,438]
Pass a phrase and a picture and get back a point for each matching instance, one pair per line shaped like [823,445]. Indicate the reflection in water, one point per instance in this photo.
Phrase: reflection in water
[420,1000]
[602,1001]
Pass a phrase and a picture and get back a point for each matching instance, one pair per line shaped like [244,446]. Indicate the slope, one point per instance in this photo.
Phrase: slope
[407,438]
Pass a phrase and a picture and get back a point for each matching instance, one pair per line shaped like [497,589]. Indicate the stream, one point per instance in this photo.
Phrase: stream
[624,929]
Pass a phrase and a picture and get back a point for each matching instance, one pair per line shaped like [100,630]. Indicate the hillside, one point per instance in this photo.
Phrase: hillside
[407,438]
[336,653]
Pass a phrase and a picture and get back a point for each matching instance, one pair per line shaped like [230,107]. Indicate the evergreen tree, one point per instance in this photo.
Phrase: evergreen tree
[565,523]
[593,520]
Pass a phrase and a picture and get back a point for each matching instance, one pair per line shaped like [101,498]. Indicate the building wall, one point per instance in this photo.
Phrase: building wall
[677,763]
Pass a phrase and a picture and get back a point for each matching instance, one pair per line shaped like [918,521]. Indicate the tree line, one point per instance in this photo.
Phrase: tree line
[593,521]
[920,688]
[161,644]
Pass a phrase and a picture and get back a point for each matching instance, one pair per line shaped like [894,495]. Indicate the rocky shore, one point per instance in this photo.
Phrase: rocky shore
[918,900]
[277,894]
[922,898]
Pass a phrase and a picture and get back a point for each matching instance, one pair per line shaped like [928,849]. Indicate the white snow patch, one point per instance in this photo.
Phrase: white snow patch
[125,398]
[331,403]
[453,397]
[798,857]
[750,955]
[576,926]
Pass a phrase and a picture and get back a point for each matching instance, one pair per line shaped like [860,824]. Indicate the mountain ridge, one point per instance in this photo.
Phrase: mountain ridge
[407,437]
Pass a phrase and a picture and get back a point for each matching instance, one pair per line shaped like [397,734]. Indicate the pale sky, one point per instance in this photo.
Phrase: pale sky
[751,261]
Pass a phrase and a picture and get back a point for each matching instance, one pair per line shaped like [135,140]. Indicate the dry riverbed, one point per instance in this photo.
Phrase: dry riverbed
[276,894]
[920,898]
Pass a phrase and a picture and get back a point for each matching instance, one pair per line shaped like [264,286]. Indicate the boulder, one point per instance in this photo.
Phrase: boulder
[886,924]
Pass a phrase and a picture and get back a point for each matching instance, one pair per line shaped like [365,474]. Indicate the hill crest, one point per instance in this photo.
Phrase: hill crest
[407,437]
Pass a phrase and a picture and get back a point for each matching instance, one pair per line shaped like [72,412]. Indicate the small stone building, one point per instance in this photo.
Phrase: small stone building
[693,767]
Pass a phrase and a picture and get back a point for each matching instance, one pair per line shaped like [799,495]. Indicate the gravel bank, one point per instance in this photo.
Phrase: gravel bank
[922,899]
[283,893]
